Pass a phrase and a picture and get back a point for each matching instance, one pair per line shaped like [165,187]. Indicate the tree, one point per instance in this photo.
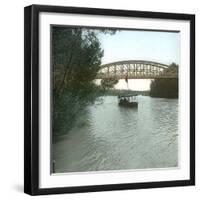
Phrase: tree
[76,57]
[166,88]
[108,83]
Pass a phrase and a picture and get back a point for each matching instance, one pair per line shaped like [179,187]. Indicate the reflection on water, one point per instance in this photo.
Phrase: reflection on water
[109,137]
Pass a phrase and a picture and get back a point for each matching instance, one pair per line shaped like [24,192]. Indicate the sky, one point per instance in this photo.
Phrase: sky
[156,46]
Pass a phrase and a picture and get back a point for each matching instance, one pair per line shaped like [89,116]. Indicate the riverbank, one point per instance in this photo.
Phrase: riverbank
[164,88]
[116,92]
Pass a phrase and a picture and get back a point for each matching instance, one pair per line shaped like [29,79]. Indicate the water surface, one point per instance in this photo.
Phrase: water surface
[109,137]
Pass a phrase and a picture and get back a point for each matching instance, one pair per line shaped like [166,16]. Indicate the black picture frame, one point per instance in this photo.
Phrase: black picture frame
[31,98]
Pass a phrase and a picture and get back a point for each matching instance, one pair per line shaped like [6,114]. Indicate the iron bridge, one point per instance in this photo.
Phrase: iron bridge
[136,69]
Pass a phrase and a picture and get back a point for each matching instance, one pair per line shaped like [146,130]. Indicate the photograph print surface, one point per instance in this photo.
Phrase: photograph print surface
[114,99]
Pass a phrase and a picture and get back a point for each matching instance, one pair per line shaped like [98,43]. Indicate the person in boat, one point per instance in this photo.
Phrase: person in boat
[123,100]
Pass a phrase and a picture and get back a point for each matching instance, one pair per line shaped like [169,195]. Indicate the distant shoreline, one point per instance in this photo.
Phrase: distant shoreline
[116,92]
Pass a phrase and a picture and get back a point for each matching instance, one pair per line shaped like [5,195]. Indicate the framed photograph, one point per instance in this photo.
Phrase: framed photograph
[109,99]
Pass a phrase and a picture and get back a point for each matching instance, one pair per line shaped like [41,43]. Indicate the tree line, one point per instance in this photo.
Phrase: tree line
[165,87]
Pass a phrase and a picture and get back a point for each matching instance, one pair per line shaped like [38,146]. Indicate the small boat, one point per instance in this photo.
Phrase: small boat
[128,101]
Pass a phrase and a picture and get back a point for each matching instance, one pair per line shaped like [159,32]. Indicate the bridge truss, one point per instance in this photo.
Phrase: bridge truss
[136,69]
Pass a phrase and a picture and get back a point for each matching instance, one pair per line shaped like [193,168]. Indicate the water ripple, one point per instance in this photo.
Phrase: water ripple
[115,138]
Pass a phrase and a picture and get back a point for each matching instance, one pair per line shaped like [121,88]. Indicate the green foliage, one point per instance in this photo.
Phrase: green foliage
[76,57]
[166,88]
[108,83]
[69,105]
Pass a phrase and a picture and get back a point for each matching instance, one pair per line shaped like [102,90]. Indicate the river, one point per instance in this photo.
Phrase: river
[109,137]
